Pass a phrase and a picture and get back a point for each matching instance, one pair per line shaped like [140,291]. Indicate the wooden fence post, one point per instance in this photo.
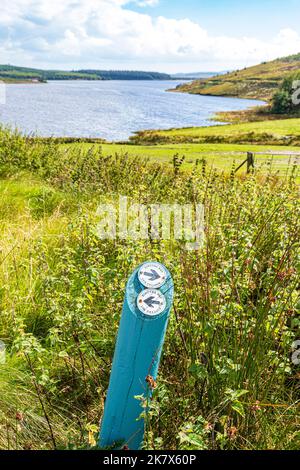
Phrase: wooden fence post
[250,161]
[146,310]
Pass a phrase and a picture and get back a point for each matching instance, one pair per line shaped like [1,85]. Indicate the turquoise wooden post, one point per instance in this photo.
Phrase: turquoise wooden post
[146,309]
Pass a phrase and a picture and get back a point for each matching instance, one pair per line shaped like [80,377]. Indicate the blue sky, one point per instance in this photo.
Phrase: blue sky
[164,35]
[261,18]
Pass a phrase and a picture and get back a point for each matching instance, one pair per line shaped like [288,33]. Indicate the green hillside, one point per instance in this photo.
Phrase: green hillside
[10,73]
[257,82]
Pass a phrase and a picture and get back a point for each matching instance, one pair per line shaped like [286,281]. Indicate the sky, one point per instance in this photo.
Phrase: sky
[159,35]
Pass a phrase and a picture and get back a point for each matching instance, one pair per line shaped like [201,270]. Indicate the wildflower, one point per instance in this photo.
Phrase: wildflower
[232,432]
[282,275]
[151,382]
[27,446]
[256,406]
[251,335]
[91,439]
[290,312]
[19,416]
[208,426]
[272,299]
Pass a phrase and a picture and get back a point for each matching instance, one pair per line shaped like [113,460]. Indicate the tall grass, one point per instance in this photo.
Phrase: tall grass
[226,379]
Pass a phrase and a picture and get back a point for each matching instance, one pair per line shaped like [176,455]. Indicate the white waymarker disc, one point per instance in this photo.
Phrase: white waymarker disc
[151,302]
[152,275]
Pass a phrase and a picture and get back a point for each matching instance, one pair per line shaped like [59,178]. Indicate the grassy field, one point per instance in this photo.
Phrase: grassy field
[222,157]
[223,153]
[286,131]
[236,309]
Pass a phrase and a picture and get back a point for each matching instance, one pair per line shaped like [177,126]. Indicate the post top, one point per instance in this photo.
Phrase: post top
[149,291]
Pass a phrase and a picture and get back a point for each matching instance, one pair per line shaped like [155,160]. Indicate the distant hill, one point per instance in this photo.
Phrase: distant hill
[126,75]
[257,82]
[194,76]
[13,73]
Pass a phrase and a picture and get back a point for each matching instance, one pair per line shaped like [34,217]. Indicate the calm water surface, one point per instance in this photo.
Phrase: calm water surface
[112,110]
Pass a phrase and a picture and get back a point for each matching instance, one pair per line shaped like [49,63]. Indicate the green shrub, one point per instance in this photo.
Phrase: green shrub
[283,100]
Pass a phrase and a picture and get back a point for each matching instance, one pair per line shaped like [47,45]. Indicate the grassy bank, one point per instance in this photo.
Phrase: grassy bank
[255,114]
[273,132]
[232,328]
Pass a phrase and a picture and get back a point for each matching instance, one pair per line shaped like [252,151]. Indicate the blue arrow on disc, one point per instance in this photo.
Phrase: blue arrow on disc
[153,276]
[151,302]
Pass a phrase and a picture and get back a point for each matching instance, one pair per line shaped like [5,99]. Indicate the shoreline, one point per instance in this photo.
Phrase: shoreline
[239,97]
[218,119]
[211,120]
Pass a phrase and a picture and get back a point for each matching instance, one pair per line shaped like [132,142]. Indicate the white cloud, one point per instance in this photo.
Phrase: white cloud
[145,3]
[106,33]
